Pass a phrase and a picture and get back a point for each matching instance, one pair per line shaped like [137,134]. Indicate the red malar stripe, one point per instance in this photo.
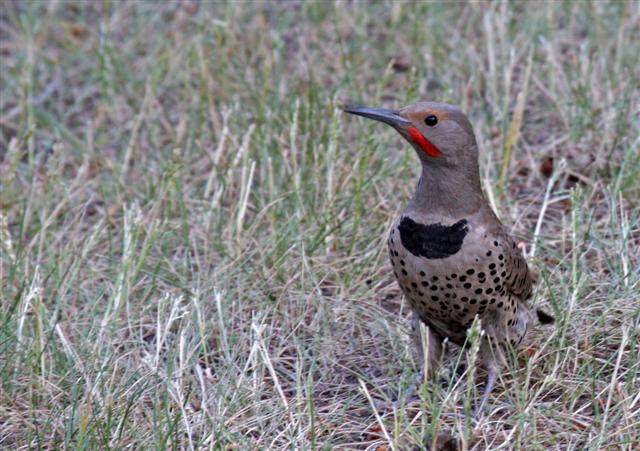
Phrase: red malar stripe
[423,142]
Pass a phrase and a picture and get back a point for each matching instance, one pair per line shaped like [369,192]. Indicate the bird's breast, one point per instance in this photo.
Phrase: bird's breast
[450,271]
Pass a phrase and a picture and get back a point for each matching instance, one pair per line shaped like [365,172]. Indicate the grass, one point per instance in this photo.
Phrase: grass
[192,233]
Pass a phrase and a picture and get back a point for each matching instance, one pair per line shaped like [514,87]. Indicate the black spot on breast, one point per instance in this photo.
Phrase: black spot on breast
[432,240]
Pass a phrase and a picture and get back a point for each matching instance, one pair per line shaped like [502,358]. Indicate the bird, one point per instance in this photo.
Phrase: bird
[452,257]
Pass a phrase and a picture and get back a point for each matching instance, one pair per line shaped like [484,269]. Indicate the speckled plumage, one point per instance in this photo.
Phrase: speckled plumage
[487,277]
[452,257]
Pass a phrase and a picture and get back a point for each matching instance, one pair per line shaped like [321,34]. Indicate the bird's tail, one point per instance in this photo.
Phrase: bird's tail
[544,317]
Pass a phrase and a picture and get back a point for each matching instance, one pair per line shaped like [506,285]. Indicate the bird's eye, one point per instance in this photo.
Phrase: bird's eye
[431,120]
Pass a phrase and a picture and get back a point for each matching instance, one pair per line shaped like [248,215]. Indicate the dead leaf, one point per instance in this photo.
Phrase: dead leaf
[374,432]
[401,63]
[546,168]
[445,441]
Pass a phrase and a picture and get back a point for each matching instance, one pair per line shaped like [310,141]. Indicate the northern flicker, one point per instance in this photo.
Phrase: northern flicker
[451,255]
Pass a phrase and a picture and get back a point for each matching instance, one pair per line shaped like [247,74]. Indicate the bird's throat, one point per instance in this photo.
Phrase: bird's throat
[447,192]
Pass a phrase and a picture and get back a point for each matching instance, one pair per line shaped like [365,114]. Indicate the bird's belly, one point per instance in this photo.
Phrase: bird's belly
[447,293]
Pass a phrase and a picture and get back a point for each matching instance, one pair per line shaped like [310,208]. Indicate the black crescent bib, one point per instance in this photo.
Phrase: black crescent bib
[432,240]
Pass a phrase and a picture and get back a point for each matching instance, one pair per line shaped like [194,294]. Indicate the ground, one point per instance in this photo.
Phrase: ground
[192,233]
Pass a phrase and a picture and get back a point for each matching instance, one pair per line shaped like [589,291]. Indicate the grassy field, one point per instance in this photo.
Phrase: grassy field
[192,234]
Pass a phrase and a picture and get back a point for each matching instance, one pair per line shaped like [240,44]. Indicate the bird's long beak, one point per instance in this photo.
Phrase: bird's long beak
[402,125]
[391,117]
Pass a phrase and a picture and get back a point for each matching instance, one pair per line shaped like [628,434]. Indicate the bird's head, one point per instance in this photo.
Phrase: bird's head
[440,133]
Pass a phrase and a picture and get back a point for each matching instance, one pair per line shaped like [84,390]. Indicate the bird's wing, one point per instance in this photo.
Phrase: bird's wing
[518,280]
